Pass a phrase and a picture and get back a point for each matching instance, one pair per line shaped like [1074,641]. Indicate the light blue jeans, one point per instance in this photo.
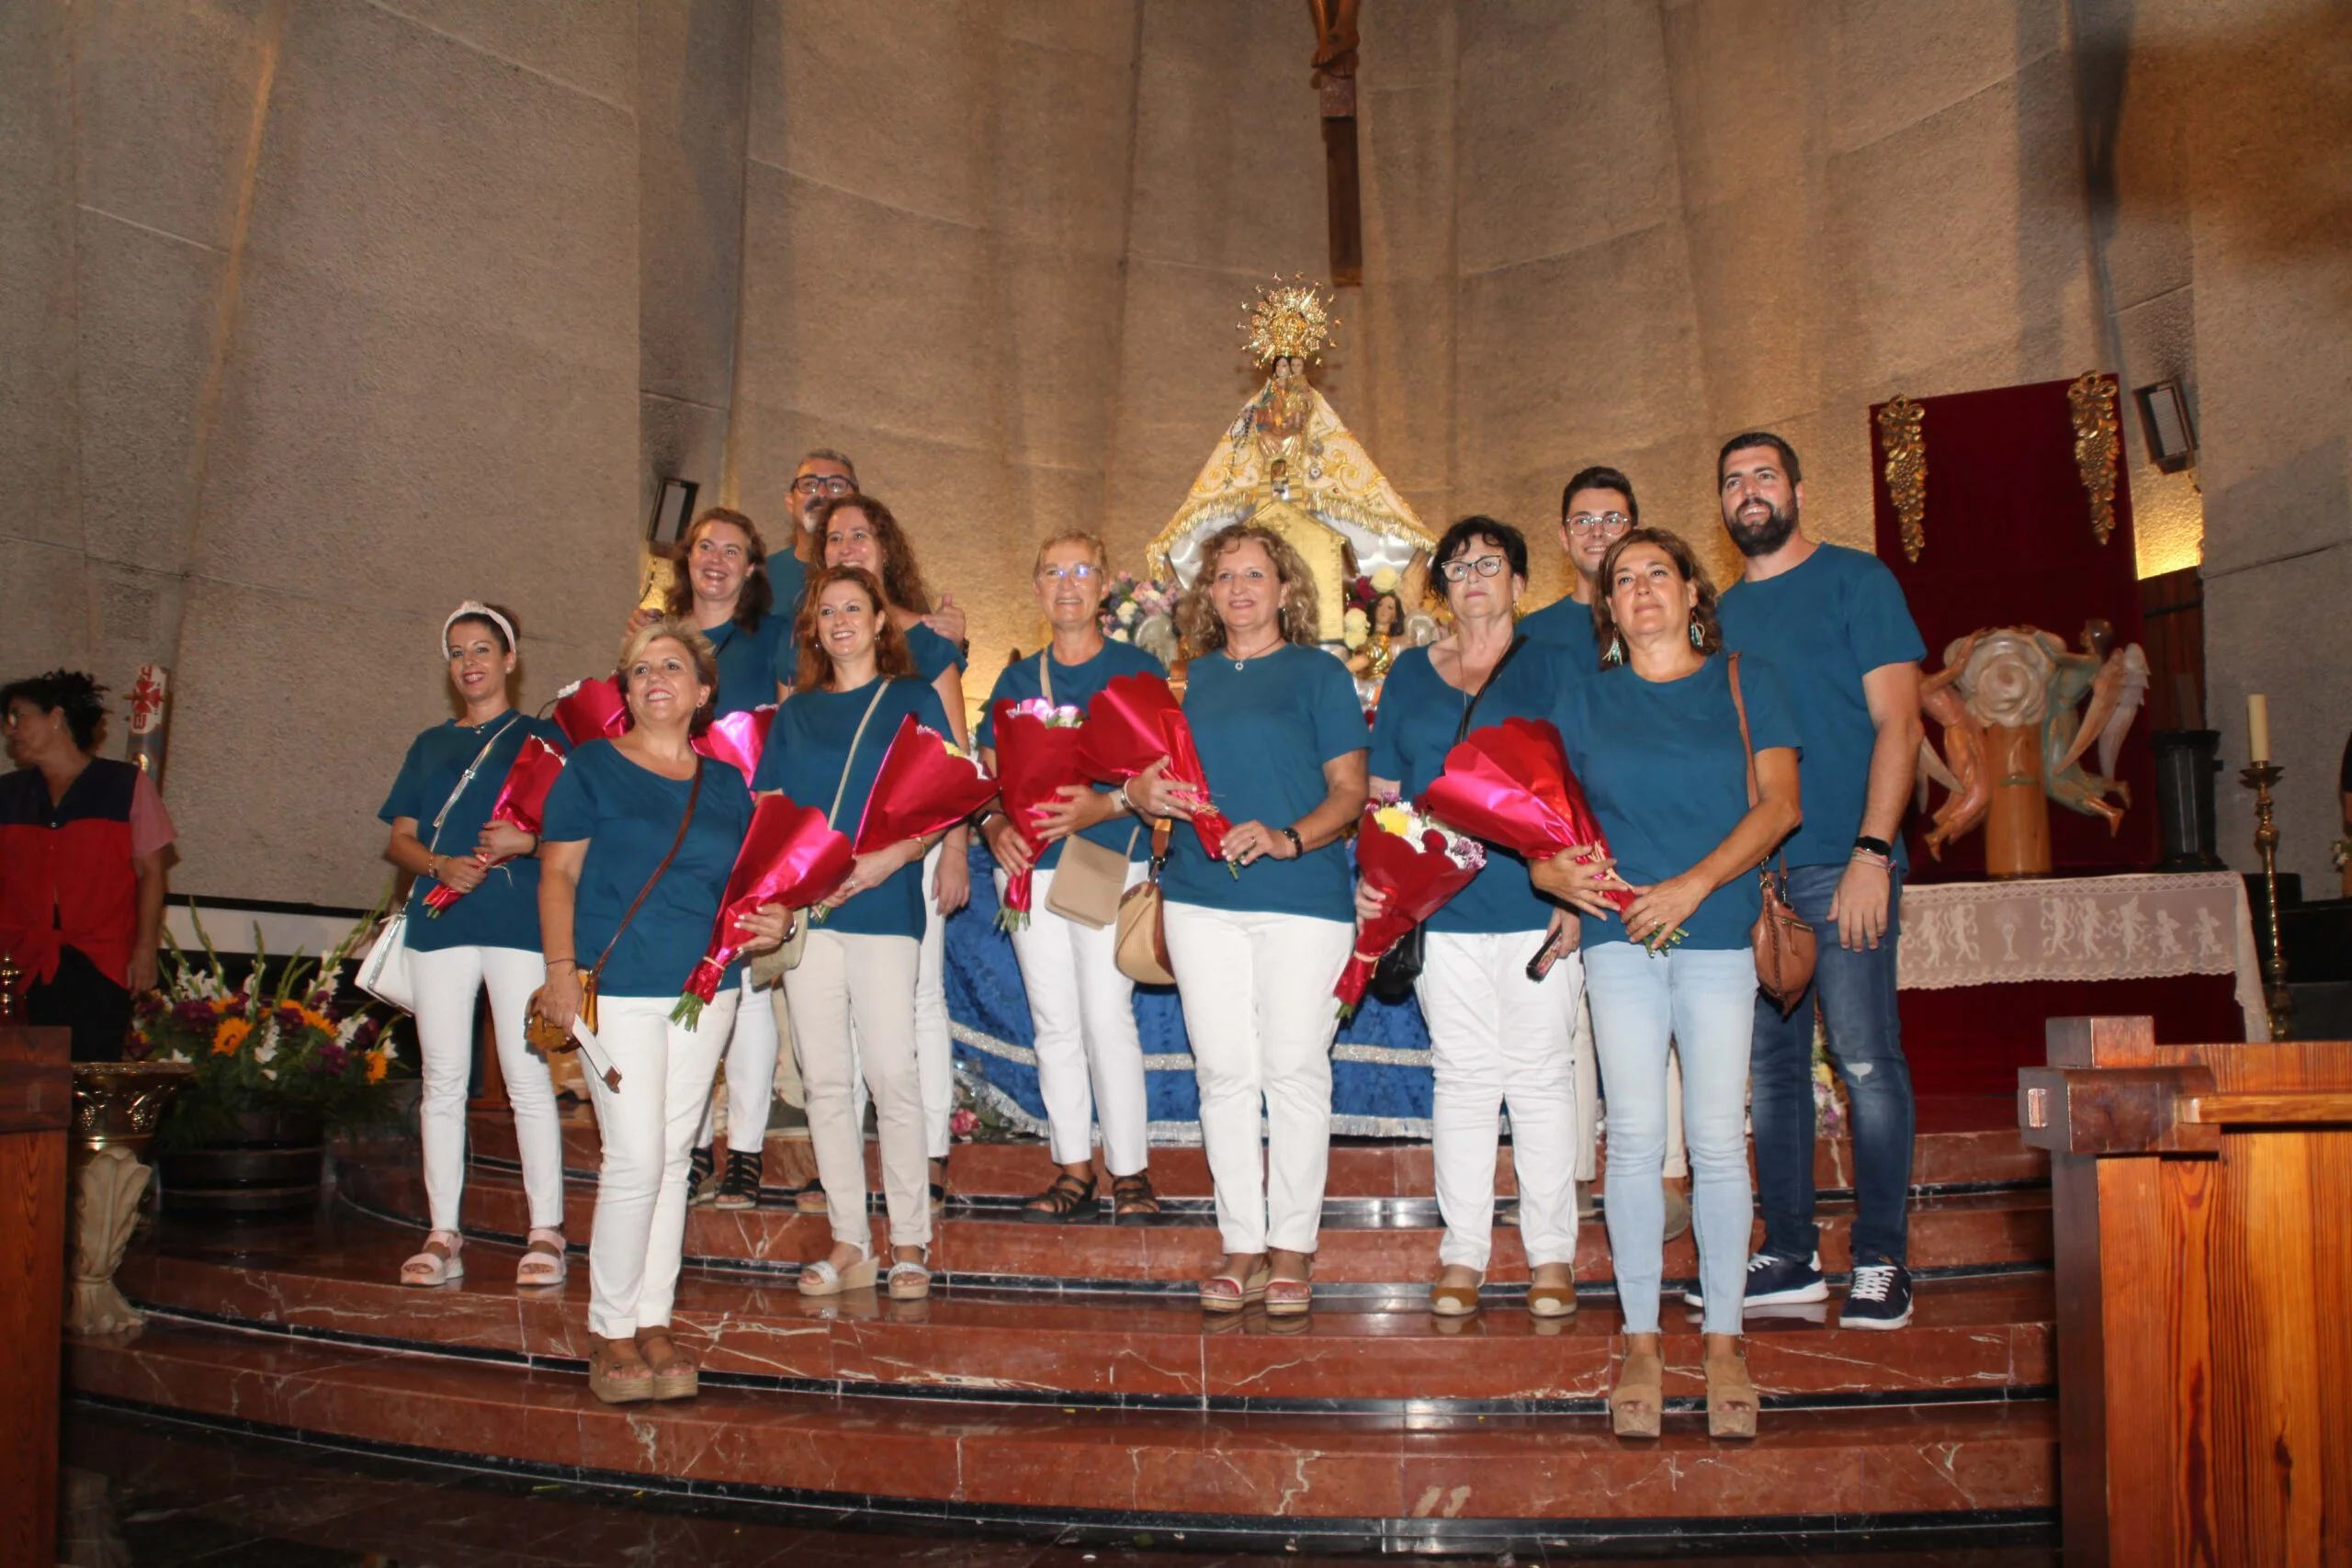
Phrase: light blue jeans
[1703,1001]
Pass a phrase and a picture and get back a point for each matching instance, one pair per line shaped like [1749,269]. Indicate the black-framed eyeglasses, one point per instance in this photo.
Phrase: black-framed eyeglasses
[1600,521]
[823,484]
[1485,566]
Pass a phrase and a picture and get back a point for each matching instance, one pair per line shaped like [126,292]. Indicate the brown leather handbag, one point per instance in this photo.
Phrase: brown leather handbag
[1785,948]
[1142,944]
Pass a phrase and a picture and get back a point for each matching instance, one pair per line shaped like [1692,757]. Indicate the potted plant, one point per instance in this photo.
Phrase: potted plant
[276,1068]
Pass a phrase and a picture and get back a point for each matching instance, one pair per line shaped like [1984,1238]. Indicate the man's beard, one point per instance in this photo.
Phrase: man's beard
[1762,538]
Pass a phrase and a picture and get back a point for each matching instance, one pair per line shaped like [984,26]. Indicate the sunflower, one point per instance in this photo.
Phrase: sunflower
[229,1035]
[379,1064]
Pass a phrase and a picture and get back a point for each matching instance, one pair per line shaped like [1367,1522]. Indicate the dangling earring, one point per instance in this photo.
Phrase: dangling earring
[1698,635]
[1616,654]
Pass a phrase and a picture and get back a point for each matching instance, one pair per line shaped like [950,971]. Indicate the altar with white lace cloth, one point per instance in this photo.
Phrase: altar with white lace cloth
[2134,927]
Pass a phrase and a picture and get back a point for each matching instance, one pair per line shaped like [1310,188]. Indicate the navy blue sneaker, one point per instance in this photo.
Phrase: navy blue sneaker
[1775,1282]
[1880,1297]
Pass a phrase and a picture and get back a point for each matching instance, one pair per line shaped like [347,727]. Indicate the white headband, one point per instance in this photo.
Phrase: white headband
[474,609]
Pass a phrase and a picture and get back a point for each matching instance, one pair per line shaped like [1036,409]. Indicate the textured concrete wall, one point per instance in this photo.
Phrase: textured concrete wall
[316,316]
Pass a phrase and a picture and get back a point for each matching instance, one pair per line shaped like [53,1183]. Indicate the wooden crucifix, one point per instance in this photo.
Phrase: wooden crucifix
[1335,84]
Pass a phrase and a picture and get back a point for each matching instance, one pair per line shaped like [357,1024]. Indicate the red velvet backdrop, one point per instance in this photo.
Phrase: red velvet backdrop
[2009,543]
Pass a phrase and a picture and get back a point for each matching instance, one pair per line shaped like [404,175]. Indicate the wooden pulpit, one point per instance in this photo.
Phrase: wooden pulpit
[2202,1211]
[36,1103]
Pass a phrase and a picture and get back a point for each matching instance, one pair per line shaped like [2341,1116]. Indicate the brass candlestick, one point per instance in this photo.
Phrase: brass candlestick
[2275,995]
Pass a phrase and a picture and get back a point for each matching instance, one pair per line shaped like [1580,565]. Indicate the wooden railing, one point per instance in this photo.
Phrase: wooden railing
[2203,1198]
[36,1103]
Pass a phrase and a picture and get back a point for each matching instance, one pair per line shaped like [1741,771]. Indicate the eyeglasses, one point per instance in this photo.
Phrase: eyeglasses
[1600,521]
[823,484]
[1485,566]
[1078,572]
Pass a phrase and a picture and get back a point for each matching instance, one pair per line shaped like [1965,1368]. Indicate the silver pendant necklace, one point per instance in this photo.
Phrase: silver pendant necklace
[1241,661]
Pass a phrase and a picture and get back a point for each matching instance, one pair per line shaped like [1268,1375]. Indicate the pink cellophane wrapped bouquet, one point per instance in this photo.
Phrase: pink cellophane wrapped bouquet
[592,709]
[1420,863]
[738,739]
[1133,722]
[1037,757]
[520,801]
[926,782]
[790,856]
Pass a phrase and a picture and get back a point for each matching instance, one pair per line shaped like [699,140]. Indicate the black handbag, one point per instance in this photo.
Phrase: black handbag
[1392,977]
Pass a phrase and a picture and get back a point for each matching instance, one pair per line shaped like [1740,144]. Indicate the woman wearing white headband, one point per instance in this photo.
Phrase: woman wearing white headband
[439,810]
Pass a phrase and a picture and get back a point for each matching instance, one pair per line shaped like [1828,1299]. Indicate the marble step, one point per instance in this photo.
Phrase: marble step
[1964,1141]
[1383,1476]
[1977,1339]
[1979,1232]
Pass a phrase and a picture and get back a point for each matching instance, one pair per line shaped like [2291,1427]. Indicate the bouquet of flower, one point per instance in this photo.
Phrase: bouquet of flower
[590,710]
[1510,783]
[520,801]
[926,782]
[1139,611]
[1036,757]
[738,739]
[1133,722]
[293,1047]
[1417,860]
[790,856]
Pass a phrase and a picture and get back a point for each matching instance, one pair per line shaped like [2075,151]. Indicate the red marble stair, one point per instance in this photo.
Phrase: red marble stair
[1972,1339]
[1963,1141]
[1819,1471]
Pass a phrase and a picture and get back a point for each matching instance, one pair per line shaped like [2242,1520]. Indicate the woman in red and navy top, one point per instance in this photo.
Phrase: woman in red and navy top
[82,861]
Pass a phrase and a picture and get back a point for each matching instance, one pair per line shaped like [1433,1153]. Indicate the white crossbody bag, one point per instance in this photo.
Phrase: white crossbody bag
[384,972]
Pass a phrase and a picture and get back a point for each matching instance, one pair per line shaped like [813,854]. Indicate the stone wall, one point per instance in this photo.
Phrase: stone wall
[316,317]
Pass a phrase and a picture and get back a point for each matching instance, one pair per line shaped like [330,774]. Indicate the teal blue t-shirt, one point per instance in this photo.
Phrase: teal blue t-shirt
[630,816]
[788,585]
[1413,730]
[1662,765]
[1264,732]
[1075,685]
[505,911]
[1567,625]
[932,652]
[1823,625]
[751,661]
[808,746]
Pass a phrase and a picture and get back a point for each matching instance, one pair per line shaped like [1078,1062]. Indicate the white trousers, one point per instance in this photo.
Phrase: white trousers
[648,1126]
[1081,1010]
[752,1053]
[846,981]
[1258,1005]
[1677,1161]
[1498,1037]
[448,982]
[934,1049]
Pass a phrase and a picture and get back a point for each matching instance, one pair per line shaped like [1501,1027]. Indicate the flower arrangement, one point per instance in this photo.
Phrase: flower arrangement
[291,1049]
[1142,612]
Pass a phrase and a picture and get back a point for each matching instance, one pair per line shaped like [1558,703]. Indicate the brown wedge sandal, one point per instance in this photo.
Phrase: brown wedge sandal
[1554,1298]
[1731,1393]
[1638,1401]
[1069,1197]
[676,1375]
[615,1379]
[1132,1198]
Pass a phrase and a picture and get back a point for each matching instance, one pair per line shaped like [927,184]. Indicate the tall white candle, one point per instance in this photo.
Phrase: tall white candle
[2257,728]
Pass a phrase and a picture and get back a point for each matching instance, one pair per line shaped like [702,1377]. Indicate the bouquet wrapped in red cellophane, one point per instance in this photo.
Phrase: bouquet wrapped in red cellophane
[592,709]
[1133,722]
[520,801]
[738,739]
[1037,759]
[1510,784]
[790,856]
[1417,860]
[926,782]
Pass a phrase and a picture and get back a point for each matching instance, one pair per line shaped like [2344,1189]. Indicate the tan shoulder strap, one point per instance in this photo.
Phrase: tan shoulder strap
[881,684]
[1046,672]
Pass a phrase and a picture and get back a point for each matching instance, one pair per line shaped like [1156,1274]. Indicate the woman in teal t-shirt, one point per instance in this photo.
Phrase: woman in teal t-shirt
[853,993]
[1090,1059]
[1500,979]
[641,833]
[1655,738]
[1258,942]
[860,531]
[439,810]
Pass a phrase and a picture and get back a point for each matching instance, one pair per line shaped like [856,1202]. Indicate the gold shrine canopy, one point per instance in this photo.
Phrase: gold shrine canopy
[1288,462]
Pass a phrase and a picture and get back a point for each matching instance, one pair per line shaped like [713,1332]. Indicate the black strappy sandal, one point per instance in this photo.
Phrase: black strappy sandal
[1132,1198]
[1069,1199]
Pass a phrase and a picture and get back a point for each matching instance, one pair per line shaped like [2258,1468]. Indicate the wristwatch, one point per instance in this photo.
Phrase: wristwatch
[1875,846]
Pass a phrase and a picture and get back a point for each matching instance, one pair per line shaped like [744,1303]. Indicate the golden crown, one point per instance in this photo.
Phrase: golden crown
[1288,321]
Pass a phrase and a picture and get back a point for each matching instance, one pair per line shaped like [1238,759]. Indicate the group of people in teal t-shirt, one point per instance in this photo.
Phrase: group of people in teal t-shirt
[1546,986]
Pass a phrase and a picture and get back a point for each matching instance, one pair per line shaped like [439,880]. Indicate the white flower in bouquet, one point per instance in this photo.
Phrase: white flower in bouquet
[1384,580]
[1356,630]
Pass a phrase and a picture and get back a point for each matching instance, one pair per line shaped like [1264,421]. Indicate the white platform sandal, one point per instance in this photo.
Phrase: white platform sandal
[822,1279]
[540,1267]
[431,1267]
[911,1278]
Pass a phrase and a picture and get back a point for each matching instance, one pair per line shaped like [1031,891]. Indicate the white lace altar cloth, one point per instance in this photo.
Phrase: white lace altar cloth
[2083,928]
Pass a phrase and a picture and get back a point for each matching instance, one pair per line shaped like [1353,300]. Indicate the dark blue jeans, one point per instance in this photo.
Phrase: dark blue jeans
[1855,992]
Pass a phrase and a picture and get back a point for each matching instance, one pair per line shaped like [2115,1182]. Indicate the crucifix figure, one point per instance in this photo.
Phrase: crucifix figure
[1335,84]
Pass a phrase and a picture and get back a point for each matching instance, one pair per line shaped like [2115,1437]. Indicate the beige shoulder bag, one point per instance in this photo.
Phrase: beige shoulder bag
[1785,944]
[1090,878]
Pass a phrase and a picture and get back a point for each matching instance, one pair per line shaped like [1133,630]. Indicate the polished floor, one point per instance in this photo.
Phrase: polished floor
[140,1494]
